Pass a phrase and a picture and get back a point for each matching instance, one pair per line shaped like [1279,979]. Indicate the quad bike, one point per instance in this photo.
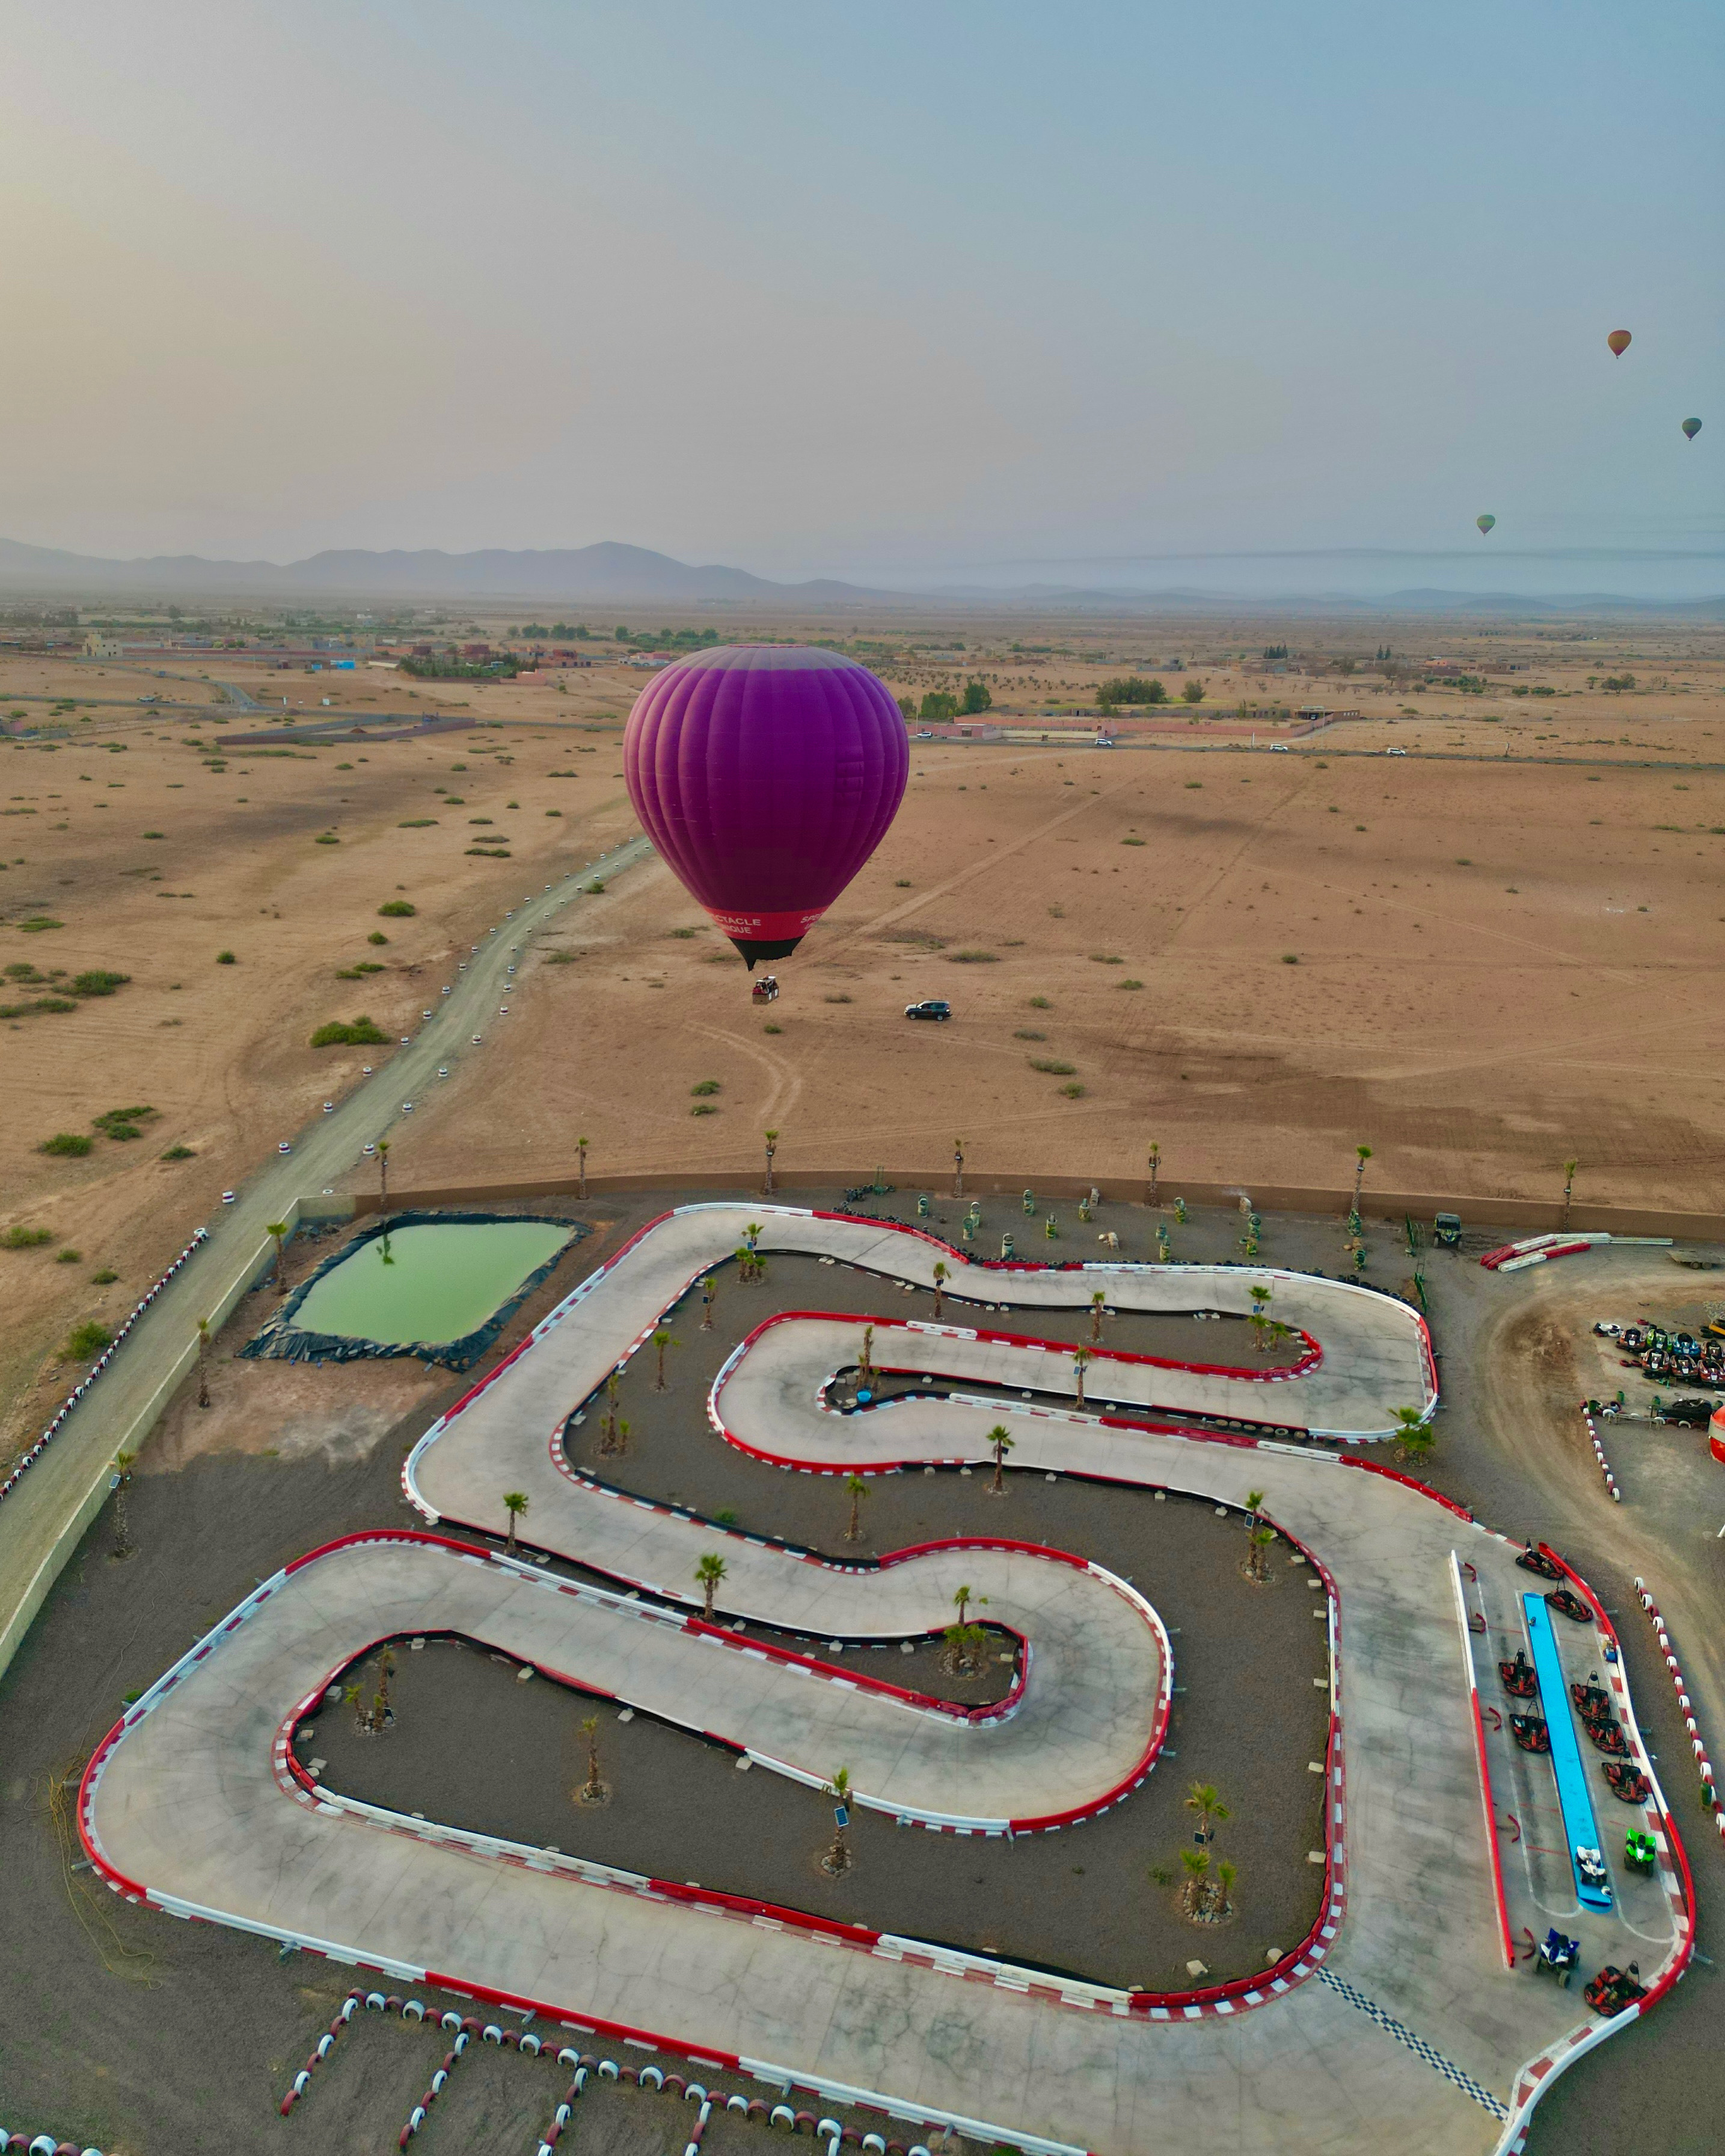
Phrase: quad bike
[1535,1561]
[1591,1864]
[1626,1782]
[1558,1955]
[1568,1604]
[1614,1988]
[1639,1851]
[1530,1732]
[1519,1681]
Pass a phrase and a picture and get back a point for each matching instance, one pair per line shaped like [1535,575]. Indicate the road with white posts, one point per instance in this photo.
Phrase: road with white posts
[1400,2014]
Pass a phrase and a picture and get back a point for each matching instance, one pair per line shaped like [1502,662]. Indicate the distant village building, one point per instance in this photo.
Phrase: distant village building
[99,645]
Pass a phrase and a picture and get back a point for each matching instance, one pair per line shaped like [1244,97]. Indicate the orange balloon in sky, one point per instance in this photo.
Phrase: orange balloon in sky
[1619,342]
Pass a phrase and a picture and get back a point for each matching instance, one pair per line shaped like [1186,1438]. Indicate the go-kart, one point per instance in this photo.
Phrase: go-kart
[1614,1988]
[1568,1604]
[1591,1697]
[1608,1737]
[1626,1781]
[1519,1681]
[1530,1732]
[1535,1561]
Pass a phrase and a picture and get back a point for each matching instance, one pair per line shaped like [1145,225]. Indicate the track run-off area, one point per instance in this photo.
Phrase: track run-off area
[1404,2003]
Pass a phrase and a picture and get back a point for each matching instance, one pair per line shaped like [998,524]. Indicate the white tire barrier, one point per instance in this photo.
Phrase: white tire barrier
[1703,1765]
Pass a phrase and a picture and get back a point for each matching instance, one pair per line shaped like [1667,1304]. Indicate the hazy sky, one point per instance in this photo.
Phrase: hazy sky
[889,288]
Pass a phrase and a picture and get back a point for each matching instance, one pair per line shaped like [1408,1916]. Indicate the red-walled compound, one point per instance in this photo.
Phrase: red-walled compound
[1703,1765]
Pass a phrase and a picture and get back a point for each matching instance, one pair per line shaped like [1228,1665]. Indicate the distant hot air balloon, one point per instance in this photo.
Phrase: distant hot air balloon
[1619,342]
[766,775]
[1692,427]
[1484,523]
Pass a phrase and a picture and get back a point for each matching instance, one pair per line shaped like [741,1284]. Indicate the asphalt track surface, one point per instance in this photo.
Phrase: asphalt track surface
[32,1518]
[1401,2008]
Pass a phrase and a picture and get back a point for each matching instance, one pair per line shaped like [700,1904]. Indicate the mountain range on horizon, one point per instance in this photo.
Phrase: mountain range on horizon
[609,571]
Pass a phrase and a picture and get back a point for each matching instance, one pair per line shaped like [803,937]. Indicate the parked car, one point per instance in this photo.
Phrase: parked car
[934,1008]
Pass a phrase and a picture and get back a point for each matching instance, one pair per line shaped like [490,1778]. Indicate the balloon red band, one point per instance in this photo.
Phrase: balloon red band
[766,927]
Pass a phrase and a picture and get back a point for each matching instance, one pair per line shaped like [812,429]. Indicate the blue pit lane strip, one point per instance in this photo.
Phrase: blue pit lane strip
[1579,1830]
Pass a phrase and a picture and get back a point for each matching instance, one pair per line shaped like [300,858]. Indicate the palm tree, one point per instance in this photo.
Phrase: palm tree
[1570,1168]
[1255,1498]
[661,1340]
[1197,1862]
[941,1277]
[964,1649]
[1260,1314]
[864,1363]
[859,1490]
[514,1503]
[962,1601]
[1258,1556]
[593,1790]
[1226,1874]
[1362,1154]
[708,1573]
[1155,1157]
[351,1697]
[772,1148]
[1000,1438]
[1081,1358]
[381,1714]
[1203,1799]
[382,1171]
[203,1351]
[122,1530]
[623,1431]
[745,1259]
[957,1168]
[607,1421]
[581,1162]
[708,1289]
[277,1232]
[1098,1306]
[1414,1438]
[837,1860]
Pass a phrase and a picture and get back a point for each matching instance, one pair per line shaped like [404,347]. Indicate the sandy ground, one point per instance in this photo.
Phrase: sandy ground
[1498,965]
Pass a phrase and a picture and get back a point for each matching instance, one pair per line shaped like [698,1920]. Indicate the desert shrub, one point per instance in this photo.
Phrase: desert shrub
[1128,984]
[1102,959]
[86,1340]
[105,1278]
[122,1123]
[327,839]
[1052,1067]
[1028,1033]
[18,1237]
[1291,957]
[155,835]
[705,1086]
[1040,1002]
[348,1033]
[98,981]
[682,935]
[1132,842]
[67,1145]
[376,935]
[1073,1092]
[69,1257]
[771,1028]
[554,811]
[560,957]
[36,1004]
[226,958]
[415,823]
[36,924]
[397,909]
[491,852]
[179,1152]
[972,957]
[704,1108]
[835,999]
[595,887]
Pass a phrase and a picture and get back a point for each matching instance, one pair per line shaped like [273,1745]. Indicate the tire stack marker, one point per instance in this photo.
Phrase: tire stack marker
[1599,1455]
[1703,1765]
[325,2044]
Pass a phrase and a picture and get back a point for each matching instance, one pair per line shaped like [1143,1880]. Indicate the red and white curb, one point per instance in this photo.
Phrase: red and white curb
[1703,1765]
[1599,1455]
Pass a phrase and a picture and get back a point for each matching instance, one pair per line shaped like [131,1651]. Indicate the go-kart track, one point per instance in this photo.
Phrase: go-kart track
[1407,2013]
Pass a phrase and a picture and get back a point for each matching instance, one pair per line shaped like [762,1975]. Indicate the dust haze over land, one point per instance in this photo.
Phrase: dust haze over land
[1482,957]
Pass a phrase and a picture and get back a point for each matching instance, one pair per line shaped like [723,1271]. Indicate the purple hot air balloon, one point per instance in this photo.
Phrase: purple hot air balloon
[766,775]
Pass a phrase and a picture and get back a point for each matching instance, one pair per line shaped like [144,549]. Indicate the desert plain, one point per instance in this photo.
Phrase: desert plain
[1474,928]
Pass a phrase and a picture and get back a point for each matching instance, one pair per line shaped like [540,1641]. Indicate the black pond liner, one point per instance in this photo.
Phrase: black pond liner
[282,1340]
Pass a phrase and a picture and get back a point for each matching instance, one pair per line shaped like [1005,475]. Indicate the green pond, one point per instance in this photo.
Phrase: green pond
[436,1282]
